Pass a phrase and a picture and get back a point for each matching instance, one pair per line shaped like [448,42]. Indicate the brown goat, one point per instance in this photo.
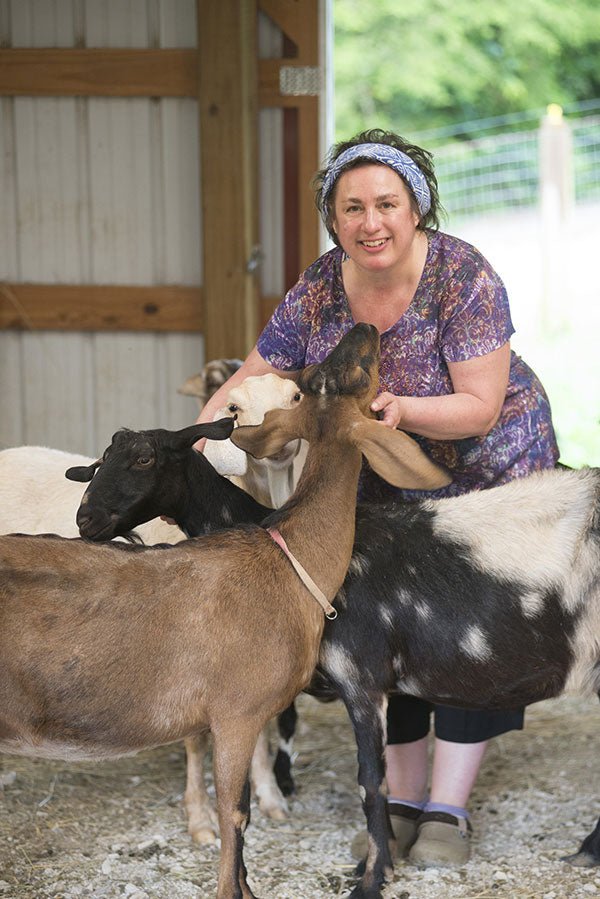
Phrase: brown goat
[109,649]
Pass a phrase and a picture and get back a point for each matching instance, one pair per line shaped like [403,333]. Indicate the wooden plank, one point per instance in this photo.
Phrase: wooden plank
[308,164]
[228,164]
[299,22]
[171,72]
[268,304]
[120,73]
[94,307]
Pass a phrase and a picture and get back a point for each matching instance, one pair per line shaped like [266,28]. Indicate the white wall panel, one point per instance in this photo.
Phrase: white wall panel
[54,389]
[107,191]
[8,187]
[97,191]
[270,149]
[12,411]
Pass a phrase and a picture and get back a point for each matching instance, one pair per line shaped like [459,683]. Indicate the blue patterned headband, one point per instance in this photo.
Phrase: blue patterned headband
[386,155]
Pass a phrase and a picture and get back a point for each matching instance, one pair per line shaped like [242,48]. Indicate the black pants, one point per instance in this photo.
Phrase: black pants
[408,720]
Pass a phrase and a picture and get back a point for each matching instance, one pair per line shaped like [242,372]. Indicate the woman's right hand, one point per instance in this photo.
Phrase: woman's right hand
[389,409]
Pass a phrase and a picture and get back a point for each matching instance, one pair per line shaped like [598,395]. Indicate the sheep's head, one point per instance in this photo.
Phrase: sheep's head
[248,403]
[259,394]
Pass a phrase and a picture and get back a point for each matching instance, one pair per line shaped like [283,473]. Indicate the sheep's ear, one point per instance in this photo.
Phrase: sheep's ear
[279,426]
[397,458]
[82,473]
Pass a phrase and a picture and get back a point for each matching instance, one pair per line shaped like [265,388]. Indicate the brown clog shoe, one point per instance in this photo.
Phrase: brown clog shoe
[443,840]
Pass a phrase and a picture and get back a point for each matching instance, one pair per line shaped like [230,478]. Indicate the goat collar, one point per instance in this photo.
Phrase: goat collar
[304,576]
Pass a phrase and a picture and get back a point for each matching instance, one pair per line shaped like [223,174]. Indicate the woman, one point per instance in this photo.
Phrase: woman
[448,377]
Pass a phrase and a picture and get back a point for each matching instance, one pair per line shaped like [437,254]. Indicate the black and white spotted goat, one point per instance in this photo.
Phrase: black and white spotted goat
[490,600]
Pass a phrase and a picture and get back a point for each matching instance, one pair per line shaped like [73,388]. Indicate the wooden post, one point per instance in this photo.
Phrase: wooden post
[227,92]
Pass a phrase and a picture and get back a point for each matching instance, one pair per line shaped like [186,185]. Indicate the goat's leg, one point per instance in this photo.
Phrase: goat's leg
[233,744]
[588,854]
[201,817]
[367,713]
[271,801]
[286,725]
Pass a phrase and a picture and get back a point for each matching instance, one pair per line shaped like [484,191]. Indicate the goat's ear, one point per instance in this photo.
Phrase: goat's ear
[213,430]
[397,458]
[279,426]
[82,473]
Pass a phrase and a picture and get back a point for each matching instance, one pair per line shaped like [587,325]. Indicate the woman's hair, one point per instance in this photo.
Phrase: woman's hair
[422,158]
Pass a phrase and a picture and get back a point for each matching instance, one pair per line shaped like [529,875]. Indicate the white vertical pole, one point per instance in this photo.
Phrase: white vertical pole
[556,204]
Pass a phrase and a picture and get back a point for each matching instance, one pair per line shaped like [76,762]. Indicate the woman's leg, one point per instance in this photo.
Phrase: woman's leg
[462,737]
[455,770]
[406,766]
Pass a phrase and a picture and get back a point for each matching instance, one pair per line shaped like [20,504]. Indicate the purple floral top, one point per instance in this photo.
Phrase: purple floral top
[459,311]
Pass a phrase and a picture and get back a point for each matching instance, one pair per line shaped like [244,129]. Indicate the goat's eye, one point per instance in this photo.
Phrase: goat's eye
[297,397]
[233,407]
[144,461]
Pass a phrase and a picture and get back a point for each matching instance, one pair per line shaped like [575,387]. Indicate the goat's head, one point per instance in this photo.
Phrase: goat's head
[336,396]
[206,382]
[130,483]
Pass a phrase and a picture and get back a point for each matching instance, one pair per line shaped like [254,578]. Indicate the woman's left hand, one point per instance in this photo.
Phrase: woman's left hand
[389,408]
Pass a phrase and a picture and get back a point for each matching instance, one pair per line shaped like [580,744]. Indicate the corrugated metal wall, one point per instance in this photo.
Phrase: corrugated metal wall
[106,191]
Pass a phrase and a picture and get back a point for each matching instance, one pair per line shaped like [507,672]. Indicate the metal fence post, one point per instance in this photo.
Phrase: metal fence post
[556,195]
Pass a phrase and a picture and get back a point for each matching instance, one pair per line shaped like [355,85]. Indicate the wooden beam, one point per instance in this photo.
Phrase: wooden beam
[267,307]
[121,73]
[308,163]
[228,107]
[92,307]
[98,72]
[299,22]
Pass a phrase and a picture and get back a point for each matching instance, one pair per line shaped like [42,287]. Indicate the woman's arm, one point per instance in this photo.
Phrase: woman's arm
[471,411]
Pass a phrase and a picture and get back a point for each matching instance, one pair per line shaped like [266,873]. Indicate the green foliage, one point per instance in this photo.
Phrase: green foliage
[421,64]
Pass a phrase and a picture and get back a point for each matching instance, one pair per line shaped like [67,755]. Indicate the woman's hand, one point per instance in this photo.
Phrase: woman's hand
[389,408]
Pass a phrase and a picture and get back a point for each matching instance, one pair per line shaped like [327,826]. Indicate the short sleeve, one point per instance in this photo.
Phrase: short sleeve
[283,341]
[476,317]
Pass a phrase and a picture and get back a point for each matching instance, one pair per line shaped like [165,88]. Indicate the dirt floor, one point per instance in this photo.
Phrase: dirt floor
[117,830]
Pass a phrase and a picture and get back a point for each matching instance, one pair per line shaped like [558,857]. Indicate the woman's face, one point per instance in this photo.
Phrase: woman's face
[373,217]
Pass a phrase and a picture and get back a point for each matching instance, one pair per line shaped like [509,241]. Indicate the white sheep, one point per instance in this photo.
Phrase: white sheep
[270,481]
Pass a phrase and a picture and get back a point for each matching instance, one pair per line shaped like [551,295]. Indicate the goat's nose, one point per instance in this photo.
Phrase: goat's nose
[82,518]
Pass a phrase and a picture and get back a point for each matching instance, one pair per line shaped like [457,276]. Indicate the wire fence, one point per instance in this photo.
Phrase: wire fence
[500,170]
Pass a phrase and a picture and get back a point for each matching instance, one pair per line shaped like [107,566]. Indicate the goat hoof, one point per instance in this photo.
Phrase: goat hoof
[581,860]
[361,892]
[203,836]
[275,813]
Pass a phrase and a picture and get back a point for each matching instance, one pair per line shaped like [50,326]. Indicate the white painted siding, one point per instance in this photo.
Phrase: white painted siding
[98,191]
[105,191]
